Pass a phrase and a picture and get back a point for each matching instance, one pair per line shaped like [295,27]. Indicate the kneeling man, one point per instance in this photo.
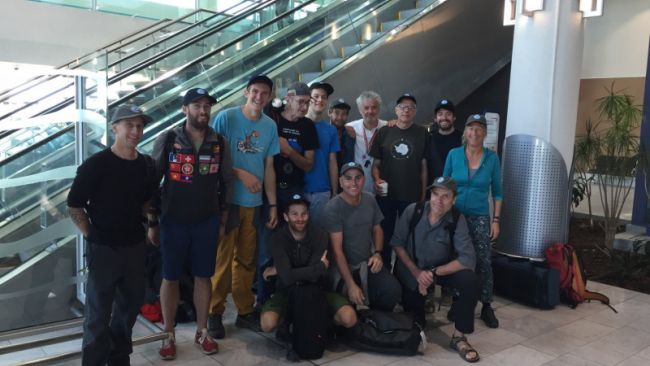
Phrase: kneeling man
[438,249]
[299,252]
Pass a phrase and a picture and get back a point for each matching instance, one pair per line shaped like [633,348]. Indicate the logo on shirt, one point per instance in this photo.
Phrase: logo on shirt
[401,149]
[247,145]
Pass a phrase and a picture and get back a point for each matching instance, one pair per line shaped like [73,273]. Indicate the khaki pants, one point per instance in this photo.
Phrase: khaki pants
[236,265]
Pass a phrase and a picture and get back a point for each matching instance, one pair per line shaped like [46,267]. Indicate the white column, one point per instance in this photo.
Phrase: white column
[545,74]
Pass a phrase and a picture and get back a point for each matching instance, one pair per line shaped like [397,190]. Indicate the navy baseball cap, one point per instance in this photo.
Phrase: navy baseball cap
[124,111]
[195,94]
[341,104]
[351,165]
[446,104]
[406,96]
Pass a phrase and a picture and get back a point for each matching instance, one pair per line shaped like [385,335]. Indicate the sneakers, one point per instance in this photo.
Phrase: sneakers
[249,321]
[205,343]
[215,327]
[168,349]
[488,317]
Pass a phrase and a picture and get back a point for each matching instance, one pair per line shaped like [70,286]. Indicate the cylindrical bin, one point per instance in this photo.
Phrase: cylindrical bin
[535,198]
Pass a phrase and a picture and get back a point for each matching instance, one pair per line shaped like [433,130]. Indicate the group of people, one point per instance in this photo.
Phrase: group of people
[290,191]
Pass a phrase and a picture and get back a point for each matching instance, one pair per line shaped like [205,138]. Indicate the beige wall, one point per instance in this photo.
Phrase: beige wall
[592,89]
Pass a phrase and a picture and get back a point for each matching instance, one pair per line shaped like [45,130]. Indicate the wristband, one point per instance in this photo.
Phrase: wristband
[433,272]
[377,252]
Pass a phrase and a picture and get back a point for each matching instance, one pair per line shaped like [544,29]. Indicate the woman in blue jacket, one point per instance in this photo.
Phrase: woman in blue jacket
[477,172]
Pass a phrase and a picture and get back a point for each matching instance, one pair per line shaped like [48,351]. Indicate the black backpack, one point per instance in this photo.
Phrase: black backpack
[309,315]
[386,332]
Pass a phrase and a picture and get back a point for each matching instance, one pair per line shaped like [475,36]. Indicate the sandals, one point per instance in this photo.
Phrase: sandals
[463,347]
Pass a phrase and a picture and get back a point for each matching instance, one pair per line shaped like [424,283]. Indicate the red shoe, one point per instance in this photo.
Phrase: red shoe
[168,349]
[205,343]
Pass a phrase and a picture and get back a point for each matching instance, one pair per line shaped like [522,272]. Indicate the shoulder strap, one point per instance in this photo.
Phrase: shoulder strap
[415,218]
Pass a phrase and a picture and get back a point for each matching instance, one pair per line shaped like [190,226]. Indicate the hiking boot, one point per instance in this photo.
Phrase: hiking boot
[488,317]
[249,321]
[168,349]
[205,343]
[215,326]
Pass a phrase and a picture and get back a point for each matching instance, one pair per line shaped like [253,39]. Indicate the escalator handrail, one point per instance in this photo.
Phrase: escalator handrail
[36,145]
[134,68]
[208,54]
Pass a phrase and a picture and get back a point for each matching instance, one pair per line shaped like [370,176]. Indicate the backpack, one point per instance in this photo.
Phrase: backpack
[400,269]
[308,313]
[573,279]
[386,332]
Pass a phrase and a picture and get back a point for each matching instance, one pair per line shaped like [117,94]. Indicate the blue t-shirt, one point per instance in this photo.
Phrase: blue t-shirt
[250,143]
[317,179]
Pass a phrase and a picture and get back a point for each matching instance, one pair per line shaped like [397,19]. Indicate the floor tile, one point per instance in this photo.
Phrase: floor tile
[364,359]
[514,311]
[519,355]
[494,340]
[645,353]
[628,340]
[571,360]
[554,343]
[634,361]
[600,352]
[560,315]
[527,326]
[586,330]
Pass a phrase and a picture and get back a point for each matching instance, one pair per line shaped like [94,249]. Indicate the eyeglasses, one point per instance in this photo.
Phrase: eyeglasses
[301,102]
[405,107]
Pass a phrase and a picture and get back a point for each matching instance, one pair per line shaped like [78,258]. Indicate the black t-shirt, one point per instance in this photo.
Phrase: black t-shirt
[302,136]
[401,153]
[439,148]
[113,191]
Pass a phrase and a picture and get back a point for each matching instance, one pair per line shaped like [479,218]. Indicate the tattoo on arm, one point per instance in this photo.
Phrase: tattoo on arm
[80,219]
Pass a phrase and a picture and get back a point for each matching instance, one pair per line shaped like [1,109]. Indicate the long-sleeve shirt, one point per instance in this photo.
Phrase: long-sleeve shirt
[472,196]
[298,260]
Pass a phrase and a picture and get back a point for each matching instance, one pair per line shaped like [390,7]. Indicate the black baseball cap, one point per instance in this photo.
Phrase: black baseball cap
[329,89]
[446,104]
[195,94]
[127,111]
[341,104]
[406,96]
[296,199]
[260,79]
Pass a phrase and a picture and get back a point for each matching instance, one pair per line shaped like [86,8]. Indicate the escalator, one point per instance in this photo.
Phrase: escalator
[384,45]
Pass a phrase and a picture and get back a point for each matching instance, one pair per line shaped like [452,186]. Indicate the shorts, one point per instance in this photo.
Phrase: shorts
[193,245]
[279,301]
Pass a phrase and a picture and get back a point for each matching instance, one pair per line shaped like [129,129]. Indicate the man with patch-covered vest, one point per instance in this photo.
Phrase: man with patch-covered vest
[195,163]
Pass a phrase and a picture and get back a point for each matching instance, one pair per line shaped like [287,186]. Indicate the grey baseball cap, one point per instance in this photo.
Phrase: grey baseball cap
[299,89]
[478,118]
[444,182]
[351,165]
[127,111]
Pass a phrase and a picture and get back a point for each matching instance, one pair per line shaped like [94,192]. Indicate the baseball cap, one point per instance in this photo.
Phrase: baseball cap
[298,89]
[127,111]
[295,199]
[260,79]
[351,165]
[446,104]
[324,86]
[406,96]
[479,118]
[195,94]
[341,104]
[444,182]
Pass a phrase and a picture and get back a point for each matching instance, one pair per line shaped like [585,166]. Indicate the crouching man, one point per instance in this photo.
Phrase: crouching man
[438,249]
[299,252]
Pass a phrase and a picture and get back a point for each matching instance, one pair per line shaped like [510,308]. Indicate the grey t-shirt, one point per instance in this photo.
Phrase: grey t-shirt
[432,244]
[356,223]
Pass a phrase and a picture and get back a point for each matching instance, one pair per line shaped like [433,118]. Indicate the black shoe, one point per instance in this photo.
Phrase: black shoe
[215,327]
[488,317]
[451,315]
[249,321]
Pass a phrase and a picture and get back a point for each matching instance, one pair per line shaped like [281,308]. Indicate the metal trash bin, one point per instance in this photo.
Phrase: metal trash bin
[535,198]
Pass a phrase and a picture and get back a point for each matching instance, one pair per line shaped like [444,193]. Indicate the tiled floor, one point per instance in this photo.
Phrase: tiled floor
[590,335]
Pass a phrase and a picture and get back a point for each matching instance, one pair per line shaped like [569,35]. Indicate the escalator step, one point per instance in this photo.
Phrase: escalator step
[348,51]
[329,63]
[387,26]
[405,14]
[306,77]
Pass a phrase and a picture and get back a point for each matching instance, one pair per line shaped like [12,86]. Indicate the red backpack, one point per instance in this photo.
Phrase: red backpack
[573,280]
